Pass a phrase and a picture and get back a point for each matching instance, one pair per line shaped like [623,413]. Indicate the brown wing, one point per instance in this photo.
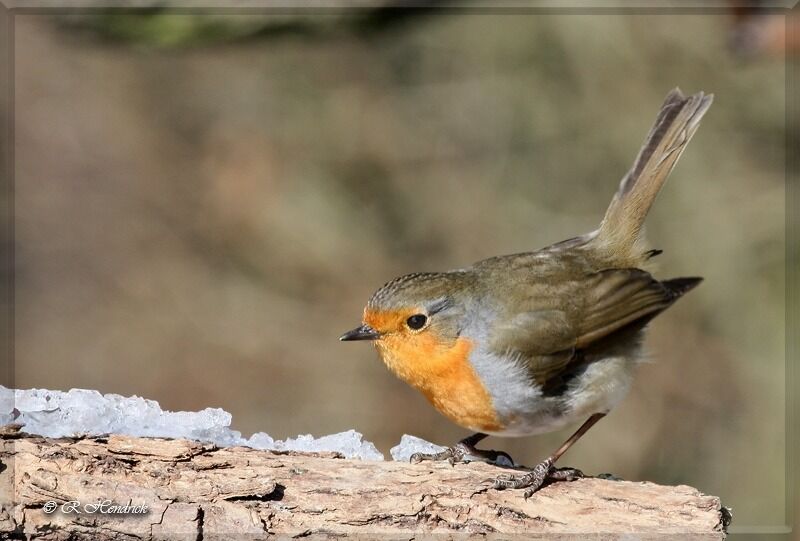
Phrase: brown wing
[618,297]
[544,340]
[547,340]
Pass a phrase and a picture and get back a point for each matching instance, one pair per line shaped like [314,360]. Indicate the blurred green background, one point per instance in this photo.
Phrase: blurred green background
[204,203]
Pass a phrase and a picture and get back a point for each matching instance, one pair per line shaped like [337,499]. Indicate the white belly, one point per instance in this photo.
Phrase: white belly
[524,411]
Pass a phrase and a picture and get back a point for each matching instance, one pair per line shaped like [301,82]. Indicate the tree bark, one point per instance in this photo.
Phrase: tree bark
[198,491]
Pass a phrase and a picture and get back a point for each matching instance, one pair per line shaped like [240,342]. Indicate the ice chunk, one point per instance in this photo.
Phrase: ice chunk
[7,413]
[351,444]
[261,440]
[411,444]
[59,414]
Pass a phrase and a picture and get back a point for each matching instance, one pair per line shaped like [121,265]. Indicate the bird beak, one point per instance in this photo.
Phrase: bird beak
[364,332]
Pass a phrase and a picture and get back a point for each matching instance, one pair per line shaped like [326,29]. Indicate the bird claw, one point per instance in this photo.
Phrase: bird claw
[464,453]
[565,474]
[504,483]
[534,479]
[451,455]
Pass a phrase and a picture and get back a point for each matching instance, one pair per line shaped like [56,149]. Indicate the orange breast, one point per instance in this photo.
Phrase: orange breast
[442,372]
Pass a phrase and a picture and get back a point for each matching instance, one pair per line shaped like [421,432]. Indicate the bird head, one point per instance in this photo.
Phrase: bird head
[415,321]
[411,306]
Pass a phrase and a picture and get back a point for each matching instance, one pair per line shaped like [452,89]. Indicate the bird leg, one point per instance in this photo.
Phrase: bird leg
[534,479]
[465,451]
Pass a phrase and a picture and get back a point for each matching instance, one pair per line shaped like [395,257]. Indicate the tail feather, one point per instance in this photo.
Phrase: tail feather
[680,286]
[620,233]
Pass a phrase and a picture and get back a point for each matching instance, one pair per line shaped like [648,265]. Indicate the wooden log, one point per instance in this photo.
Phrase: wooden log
[198,491]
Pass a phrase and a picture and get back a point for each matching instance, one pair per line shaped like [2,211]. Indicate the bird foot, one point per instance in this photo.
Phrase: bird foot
[462,452]
[534,479]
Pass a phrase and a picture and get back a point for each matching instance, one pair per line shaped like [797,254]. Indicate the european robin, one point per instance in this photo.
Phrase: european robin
[528,343]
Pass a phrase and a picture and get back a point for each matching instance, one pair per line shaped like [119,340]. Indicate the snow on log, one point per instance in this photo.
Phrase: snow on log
[180,489]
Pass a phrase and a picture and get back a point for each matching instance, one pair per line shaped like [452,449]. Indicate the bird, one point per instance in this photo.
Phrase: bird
[528,343]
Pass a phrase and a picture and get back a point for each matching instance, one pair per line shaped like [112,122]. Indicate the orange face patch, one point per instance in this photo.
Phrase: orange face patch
[387,321]
[438,367]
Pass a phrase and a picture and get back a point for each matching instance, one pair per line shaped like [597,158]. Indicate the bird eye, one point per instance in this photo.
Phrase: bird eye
[416,321]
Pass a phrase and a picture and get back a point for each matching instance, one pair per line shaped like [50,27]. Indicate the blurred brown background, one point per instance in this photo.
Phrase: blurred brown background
[205,202]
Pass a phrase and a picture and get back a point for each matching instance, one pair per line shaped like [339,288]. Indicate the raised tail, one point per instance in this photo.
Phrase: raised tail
[620,234]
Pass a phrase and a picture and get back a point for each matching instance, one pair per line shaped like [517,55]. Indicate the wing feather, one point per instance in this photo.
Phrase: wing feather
[599,305]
